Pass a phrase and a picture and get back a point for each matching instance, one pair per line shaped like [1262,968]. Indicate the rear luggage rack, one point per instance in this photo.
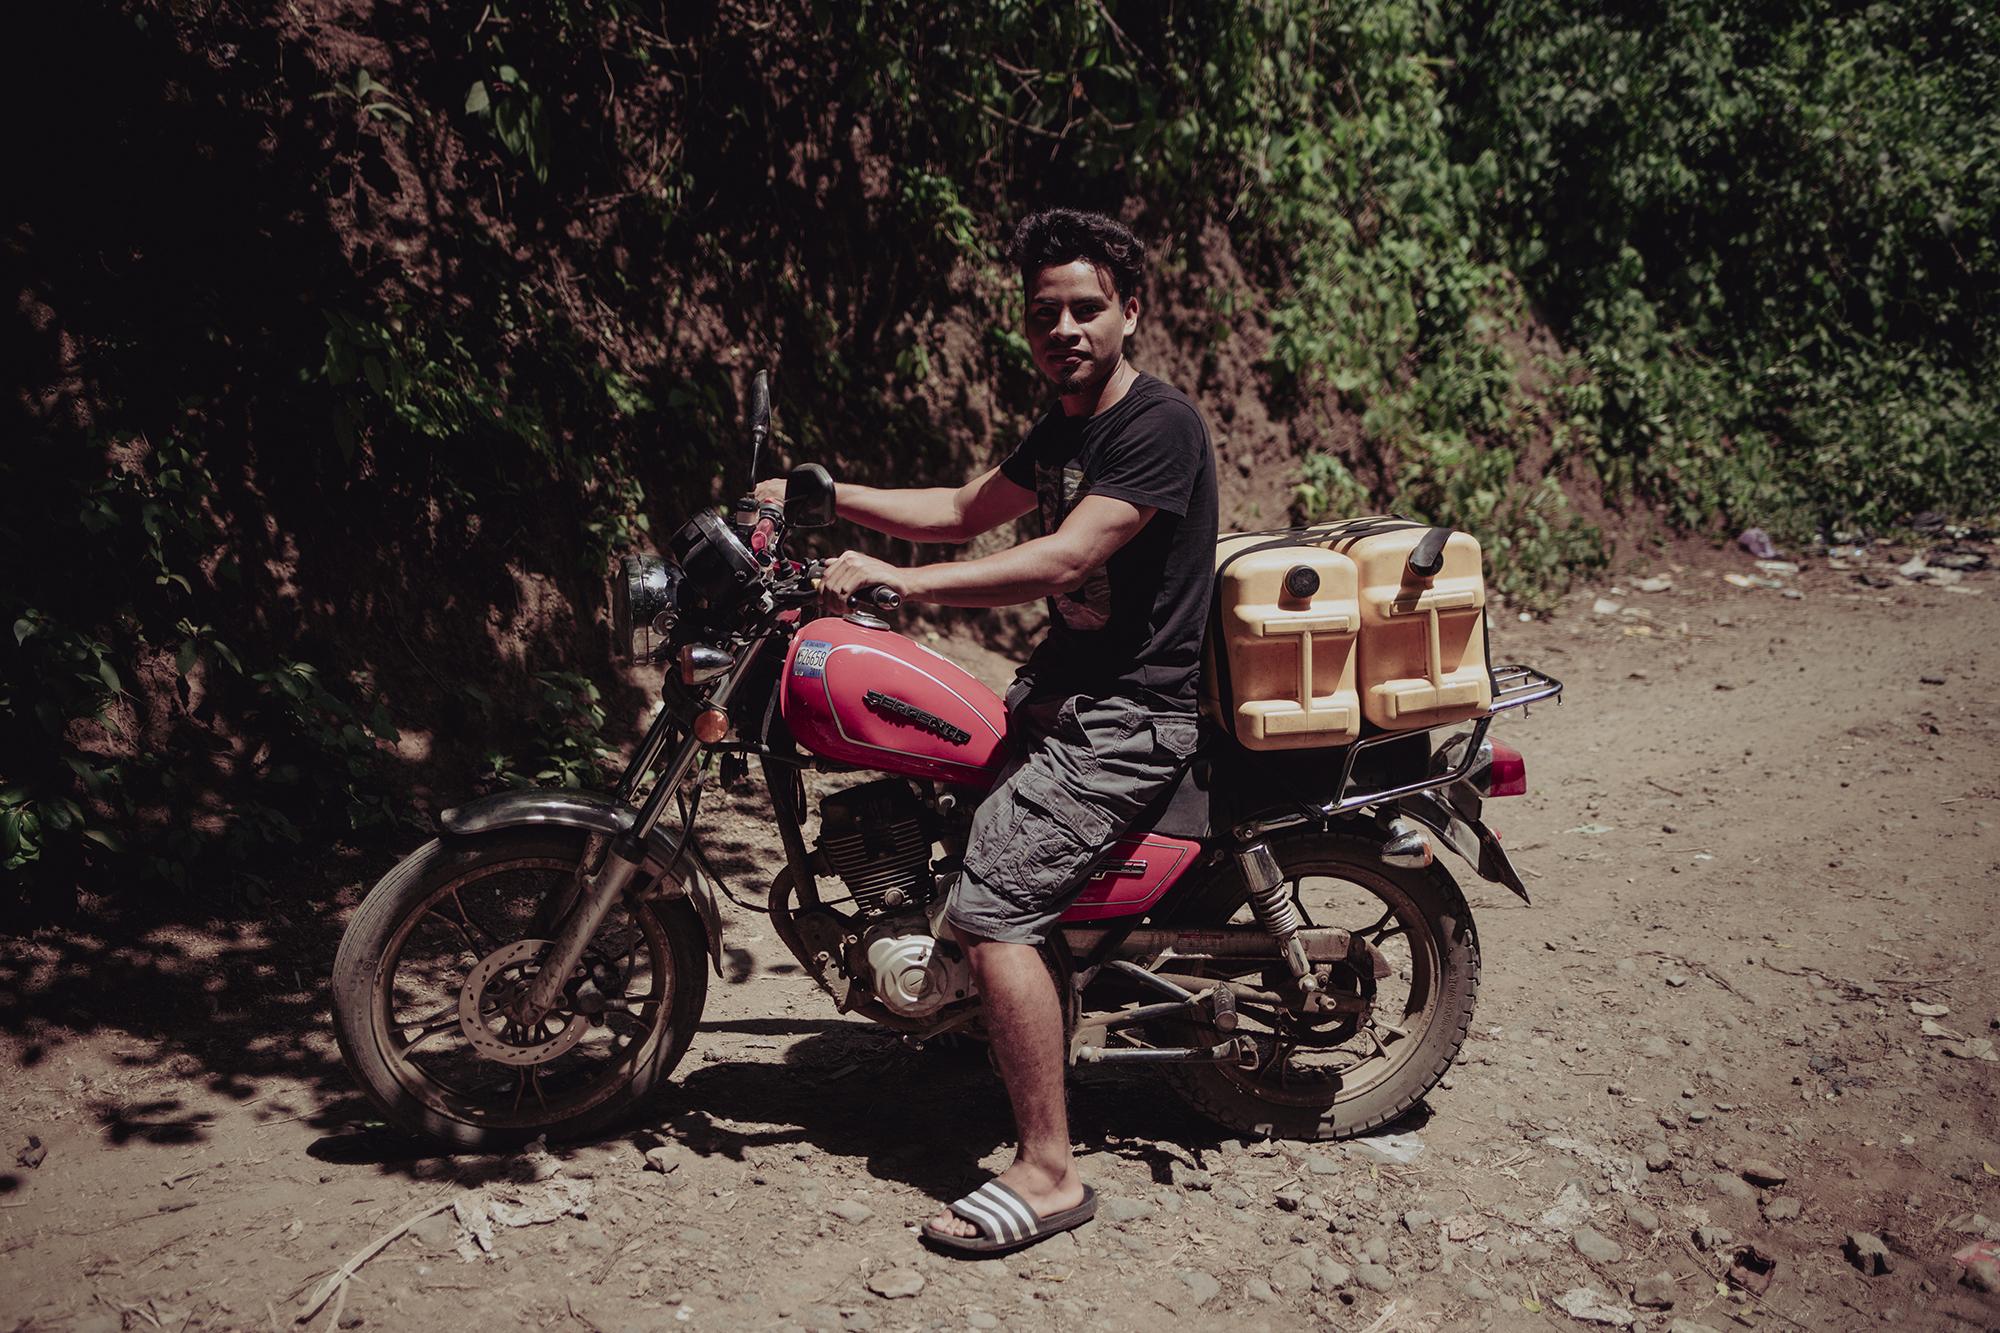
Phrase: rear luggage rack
[1513,687]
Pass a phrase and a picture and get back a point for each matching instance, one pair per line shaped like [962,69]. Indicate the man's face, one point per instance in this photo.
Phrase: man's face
[1077,326]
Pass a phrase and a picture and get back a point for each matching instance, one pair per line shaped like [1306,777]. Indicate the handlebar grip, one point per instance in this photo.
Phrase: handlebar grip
[762,534]
[1428,558]
[877,595]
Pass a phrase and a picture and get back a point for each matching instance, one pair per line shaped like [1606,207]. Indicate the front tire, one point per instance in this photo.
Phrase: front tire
[424,966]
[1431,994]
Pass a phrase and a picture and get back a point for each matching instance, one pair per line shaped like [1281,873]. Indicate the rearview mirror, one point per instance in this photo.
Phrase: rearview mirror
[808,497]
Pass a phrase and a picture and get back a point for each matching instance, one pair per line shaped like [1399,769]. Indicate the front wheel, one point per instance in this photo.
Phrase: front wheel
[1336,1076]
[427,968]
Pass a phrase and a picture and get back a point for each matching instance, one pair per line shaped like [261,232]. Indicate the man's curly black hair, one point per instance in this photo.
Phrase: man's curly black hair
[1061,235]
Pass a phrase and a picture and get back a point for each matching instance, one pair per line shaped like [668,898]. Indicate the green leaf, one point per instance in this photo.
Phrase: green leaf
[22,629]
[109,675]
[477,100]
[184,657]
[103,839]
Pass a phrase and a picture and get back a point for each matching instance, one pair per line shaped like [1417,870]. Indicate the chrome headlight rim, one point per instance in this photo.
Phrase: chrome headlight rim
[645,606]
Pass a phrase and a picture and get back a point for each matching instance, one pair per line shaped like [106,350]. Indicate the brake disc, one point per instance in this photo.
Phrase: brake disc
[488,1028]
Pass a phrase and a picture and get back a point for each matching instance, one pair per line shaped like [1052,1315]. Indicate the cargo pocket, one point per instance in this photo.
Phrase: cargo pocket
[1177,736]
[1068,820]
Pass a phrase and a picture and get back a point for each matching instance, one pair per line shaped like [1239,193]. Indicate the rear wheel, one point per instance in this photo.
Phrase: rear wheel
[1334,1076]
[427,968]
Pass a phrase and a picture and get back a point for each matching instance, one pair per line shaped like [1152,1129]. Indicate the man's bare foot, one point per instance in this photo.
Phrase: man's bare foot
[1043,1190]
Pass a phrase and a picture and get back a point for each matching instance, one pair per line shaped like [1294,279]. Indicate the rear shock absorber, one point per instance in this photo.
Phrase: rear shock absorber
[1271,901]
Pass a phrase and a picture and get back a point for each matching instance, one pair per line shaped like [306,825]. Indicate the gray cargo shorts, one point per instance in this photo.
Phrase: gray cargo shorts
[1081,770]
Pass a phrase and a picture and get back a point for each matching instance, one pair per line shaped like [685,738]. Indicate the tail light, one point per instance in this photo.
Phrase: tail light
[1508,775]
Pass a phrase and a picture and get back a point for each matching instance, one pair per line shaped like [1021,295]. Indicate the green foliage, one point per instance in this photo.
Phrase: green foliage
[1774,232]
[565,738]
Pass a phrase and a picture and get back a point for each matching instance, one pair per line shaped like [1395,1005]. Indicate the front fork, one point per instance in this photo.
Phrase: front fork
[608,883]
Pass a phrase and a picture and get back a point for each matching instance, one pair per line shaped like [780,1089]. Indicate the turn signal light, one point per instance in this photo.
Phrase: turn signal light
[711,725]
[1508,775]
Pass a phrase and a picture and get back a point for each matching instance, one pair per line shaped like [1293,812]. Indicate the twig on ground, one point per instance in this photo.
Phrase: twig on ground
[338,1278]
[1665,788]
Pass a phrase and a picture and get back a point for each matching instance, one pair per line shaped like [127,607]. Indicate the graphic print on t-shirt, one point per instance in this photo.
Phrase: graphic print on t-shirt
[1057,490]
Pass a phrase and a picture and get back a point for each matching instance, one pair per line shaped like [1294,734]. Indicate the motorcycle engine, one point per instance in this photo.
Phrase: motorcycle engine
[877,838]
[915,974]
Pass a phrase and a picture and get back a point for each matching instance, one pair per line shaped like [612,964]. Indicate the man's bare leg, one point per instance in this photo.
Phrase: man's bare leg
[1024,1022]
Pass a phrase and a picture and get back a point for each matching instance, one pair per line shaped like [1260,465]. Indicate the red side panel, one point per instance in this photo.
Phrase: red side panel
[871,697]
[1138,869]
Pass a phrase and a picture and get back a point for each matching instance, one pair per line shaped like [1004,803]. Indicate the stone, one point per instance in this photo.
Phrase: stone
[1330,1275]
[1867,1252]
[1729,1187]
[1375,1250]
[1658,1156]
[1375,1277]
[1975,1224]
[1233,1195]
[980,1319]
[1760,1172]
[1319,1165]
[1416,1219]
[1982,1273]
[1711,1238]
[1597,1247]
[1476,1290]
[1121,1210]
[1288,1199]
[1202,1287]
[1260,1291]
[1290,1275]
[852,1210]
[665,1158]
[1591,1306]
[1688,1326]
[893,1284]
[1642,1216]
[1784,1208]
[1676,980]
[1655,1292]
[1191,1178]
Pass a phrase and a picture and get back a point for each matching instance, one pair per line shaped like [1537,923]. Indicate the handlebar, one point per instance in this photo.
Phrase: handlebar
[876,596]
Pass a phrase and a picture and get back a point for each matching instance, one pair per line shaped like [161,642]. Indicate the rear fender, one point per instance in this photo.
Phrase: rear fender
[671,874]
[1461,830]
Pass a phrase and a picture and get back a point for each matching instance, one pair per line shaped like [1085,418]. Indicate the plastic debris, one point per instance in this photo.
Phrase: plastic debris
[1604,606]
[1981,1262]
[1395,1149]
[1659,583]
[1590,830]
[1758,543]
[1594,1307]
[480,1211]
[1778,569]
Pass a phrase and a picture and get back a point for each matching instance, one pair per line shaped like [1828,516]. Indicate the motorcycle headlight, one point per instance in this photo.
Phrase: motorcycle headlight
[645,604]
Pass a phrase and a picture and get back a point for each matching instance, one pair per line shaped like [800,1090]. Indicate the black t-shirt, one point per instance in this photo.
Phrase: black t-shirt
[1135,625]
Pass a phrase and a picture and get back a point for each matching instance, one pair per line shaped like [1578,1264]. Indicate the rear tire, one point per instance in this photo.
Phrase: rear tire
[1443,951]
[398,955]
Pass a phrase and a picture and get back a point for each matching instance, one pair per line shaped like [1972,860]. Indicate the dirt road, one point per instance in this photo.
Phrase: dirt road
[1752,1005]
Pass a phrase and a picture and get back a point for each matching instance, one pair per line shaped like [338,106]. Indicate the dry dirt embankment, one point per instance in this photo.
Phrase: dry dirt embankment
[1761,835]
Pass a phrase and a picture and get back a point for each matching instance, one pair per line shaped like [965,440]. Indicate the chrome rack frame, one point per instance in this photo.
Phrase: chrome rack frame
[1513,687]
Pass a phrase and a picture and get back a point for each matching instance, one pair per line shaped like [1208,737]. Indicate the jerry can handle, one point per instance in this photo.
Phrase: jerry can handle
[1428,558]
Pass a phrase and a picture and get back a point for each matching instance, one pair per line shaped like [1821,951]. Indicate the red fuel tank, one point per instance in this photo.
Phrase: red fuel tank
[871,697]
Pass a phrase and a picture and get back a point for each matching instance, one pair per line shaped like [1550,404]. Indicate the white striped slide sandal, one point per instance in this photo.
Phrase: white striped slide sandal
[1006,1222]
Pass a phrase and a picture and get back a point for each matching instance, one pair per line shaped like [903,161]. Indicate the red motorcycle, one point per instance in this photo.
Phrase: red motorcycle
[1276,934]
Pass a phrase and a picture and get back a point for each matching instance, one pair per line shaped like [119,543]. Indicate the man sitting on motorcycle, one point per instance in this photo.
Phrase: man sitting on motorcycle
[1102,717]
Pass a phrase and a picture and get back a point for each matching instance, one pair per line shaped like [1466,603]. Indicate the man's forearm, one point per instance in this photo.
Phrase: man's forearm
[918,514]
[1035,569]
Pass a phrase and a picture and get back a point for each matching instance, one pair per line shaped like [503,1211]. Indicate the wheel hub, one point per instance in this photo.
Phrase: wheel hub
[486,998]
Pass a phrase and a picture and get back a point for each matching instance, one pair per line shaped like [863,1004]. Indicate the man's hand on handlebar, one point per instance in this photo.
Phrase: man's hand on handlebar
[852,571]
[771,491]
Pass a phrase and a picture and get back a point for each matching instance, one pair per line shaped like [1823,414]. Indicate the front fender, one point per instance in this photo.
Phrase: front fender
[1468,837]
[672,875]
